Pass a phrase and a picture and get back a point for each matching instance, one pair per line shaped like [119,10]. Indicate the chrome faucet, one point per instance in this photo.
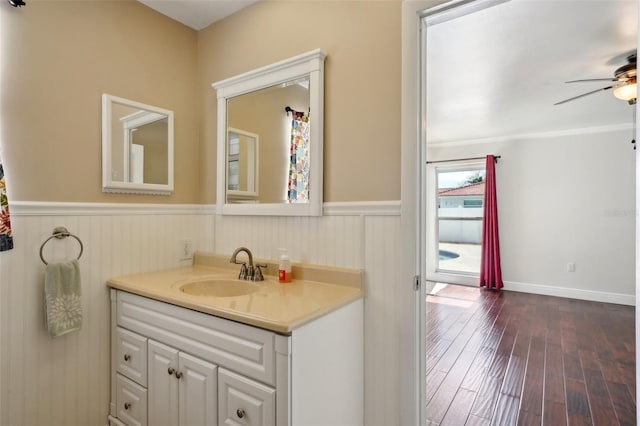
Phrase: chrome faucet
[251,272]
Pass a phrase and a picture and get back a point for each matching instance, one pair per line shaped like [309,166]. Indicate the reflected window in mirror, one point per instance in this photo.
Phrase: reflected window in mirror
[137,147]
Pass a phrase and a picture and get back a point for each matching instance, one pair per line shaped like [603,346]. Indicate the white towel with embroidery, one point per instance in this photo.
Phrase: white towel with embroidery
[63,307]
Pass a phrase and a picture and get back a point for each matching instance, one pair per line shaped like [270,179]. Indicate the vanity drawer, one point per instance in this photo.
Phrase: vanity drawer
[243,401]
[131,402]
[247,350]
[132,355]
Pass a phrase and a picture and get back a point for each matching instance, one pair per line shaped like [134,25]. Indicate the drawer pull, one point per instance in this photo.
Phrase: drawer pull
[240,413]
[127,405]
[171,371]
[127,357]
[178,375]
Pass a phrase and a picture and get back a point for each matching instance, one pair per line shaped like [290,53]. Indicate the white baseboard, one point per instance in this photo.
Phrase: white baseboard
[572,293]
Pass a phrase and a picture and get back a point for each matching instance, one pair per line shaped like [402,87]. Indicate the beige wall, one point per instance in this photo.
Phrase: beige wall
[362,84]
[57,58]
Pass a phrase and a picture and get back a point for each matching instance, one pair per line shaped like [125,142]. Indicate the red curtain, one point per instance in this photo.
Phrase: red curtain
[490,271]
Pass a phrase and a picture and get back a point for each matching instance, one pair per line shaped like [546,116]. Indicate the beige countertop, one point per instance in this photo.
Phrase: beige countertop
[279,307]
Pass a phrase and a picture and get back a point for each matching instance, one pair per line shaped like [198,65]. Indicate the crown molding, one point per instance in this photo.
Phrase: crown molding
[539,135]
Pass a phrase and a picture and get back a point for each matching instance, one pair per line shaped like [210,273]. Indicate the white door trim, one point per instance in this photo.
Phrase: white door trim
[410,302]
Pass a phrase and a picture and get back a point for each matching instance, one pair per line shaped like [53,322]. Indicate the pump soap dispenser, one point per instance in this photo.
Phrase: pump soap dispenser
[284,269]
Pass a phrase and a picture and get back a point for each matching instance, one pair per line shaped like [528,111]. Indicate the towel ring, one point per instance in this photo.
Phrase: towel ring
[60,232]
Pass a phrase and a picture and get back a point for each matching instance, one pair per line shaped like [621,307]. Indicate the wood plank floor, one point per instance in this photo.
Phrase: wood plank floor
[507,358]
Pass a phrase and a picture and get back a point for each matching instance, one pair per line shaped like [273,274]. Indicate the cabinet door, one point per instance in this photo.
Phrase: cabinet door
[245,402]
[163,384]
[198,391]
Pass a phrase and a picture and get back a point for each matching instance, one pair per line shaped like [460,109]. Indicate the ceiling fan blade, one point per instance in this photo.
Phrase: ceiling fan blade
[616,60]
[592,79]
[583,95]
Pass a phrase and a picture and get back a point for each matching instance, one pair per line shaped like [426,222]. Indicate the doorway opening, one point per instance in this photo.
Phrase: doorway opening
[507,102]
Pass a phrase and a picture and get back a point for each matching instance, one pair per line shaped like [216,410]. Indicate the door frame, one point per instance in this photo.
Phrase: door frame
[413,159]
[411,303]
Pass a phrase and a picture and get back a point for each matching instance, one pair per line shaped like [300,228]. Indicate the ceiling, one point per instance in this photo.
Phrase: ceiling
[197,14]
[498,72]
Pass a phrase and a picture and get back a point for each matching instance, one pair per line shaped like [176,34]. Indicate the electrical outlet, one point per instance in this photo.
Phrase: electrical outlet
[186,249]
[571,267]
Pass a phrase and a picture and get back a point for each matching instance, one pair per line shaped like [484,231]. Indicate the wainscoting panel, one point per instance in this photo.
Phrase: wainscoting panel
[65,380]
[48,381]
[326,240]
[381,320]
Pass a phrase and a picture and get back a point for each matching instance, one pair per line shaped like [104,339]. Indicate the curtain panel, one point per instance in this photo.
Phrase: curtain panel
[490,270]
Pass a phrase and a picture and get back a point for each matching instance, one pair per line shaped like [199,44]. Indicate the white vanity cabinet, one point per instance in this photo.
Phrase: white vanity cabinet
[176,366]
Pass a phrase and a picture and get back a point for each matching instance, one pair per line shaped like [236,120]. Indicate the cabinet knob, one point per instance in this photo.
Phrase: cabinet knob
[127,405]
[240,413]
[127,357]
[178,375]
[171,371]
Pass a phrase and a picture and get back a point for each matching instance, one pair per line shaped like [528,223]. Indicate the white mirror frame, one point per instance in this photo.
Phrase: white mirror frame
[310,64]
[110,185]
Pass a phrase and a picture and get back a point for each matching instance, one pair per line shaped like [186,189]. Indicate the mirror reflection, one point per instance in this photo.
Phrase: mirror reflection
[242,166]
[140,145]
[279,117]
[282,106]
[137,147]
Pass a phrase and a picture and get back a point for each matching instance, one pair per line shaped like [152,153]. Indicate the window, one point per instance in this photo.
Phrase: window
[456,221]
[472,203]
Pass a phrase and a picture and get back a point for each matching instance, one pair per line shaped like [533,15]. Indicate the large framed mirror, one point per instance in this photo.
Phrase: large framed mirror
[270,139]
[137,147]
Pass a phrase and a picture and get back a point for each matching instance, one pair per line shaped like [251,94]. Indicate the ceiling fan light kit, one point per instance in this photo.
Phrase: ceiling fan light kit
[627,92]
[624,85]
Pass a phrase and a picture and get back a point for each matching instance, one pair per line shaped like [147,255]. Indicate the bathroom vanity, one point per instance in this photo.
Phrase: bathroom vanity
[191,348]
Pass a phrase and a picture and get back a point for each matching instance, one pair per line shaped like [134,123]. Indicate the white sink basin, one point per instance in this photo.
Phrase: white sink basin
[219,287]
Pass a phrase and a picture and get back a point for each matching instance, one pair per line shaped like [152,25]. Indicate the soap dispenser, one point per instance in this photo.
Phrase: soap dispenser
[284,268]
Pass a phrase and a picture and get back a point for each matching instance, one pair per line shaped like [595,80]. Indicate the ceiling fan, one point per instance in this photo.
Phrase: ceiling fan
[624,86]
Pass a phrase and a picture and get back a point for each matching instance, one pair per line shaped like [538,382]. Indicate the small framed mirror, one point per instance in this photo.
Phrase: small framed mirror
[270,146]
[137,147]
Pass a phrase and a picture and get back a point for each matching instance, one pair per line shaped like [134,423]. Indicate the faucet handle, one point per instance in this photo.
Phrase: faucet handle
[243,271]
[257,272]
[250,272]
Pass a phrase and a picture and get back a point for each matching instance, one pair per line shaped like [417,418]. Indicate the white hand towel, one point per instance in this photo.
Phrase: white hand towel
[63,308]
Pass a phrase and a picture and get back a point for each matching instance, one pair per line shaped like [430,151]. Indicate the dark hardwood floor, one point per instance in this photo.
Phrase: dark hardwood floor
[507,358]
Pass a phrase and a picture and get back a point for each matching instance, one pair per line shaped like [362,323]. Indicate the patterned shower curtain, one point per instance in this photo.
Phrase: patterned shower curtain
[298,187]
[6,238]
